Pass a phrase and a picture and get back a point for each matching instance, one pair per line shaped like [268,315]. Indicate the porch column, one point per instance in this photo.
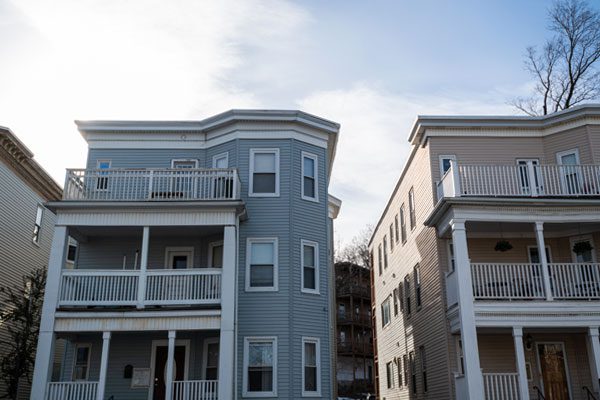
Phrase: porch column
[227,337]
[594,354]
[143,267]
[468,330]
[103,365]
[45,347]
[520,358]
[170,361]
[541,245]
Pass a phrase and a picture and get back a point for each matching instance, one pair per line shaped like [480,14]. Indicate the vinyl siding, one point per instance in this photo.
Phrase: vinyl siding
[18,254]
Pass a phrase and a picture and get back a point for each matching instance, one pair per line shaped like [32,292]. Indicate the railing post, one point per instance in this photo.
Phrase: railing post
[455,178]
[541,244]
[150,183]
[141,295]
[520,358]
[533,191]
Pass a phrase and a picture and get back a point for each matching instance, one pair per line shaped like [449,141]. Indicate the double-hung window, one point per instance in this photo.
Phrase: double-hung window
[411,208]
[261,264]
[389,372]
[309,177]
[403,223]
[102,180]
[423,367]
[396,229]
[311,367]
[399,371]
[413,372]
[395,302]
[310,266]
[407,295]
[81,367]
[385,253]
[405,368]
[391,237]
[260,367]
[417,278]
[37,227]
[264,173]
[379,259]
[385,312]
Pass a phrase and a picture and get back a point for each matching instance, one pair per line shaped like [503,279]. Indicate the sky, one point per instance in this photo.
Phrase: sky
[371,66]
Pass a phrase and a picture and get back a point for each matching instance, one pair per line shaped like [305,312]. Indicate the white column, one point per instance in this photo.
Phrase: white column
[227,338]
[45,349]
[170,362]
[455,178]
[143,267]
[468,330]
[103,365]
[594,355]
[541,245]
[520,358]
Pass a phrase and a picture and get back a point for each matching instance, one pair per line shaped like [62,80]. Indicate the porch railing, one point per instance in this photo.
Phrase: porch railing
[575,280]
[523,180]
[501,386]
[121,288]
[151,184]
[507,281]
[72,391]
[195,390]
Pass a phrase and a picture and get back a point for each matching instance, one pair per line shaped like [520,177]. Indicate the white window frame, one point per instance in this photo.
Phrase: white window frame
[184,160]
[317,343]
[392,237]
[412,208]
[275,242]
[71,243]
[451,258]
[253,152]
[263,339]
[534,246]
[98,162]
[384,324]
[315,158]
[207,341]
[441,159]
[39,220]
[211,247]
[561,154]
[389,374]
[78,346]
[171,251]
[315,246]
[217,157]
[581,238]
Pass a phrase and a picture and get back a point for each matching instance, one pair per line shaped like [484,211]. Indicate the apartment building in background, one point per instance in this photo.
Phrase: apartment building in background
[353,326]
[26,225]
[486,274]
[204,262]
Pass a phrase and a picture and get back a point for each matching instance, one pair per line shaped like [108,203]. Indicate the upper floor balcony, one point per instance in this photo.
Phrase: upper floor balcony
[173,184]
[526,179]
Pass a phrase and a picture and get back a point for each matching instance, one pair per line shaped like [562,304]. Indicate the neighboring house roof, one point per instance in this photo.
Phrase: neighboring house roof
[208,125]
[20,158]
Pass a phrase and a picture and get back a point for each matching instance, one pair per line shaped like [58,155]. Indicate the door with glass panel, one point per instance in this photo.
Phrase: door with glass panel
[570,173]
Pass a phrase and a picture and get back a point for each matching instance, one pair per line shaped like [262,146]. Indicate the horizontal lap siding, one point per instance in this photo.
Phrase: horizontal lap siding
[570,139]
[18,254]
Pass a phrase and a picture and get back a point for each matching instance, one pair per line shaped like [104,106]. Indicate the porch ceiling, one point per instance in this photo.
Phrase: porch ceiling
[124,231]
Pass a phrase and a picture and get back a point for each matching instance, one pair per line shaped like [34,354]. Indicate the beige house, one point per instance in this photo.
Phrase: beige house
[466,305]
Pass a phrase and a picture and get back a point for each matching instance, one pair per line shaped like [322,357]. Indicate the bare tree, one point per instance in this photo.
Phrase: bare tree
[357,251]
[566,69]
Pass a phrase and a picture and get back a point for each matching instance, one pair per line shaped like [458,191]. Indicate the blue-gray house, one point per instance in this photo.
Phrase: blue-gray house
[203,267]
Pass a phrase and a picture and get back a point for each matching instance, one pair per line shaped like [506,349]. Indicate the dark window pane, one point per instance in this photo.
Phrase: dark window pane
[310,379]
[261,275]
[260,379]
[71,253]
[264,183]
[309,278]
[309,187]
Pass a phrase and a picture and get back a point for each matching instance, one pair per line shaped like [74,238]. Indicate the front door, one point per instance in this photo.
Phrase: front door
[160,369]
[554,371]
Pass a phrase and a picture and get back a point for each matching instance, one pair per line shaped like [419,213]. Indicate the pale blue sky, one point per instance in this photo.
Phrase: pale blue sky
[370,65]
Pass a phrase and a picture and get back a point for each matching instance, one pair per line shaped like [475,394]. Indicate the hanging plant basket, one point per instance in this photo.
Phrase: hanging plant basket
[582,247]
[503,245]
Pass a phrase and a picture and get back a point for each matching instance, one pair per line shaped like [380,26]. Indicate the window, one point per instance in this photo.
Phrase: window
[310,266]
[261,264]
[391,237]
[445,163]
[81,369]
[413,371]
[570,176]
[401,296]
[179,257]
[523,168]
[396,229]
[385,312]
[37,227]
[411,208]
[385,253]
[585,255]
[451,255]
[215,254]
[399,372]
[71,251]
[534,254]
[309,177]
[260,367]
[389,370]
[264,172]
[395,302]
[221,161]
[380,260]
[461,360]
[417,277]
[405,368]
[311,366]
[184,164]
[211,359]
[403,223]
[423,367]
[407,294]
[102,181]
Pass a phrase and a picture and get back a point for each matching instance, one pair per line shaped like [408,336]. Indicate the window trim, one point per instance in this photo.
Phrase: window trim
[87,372]
[412,362]
[443,157]
[317,342]
[249,242]
[389,319]
[262,339]
[207,341]
[37,225]
[396,228]
[403,231]
[380,259]
[385,253]
[561,154]
[315,158]
[211,246]
[389,374]
[99,177]
[179,249]
[219,156]
[176,160]
[315,246]
[253,152]
[418,289]
[412,208]
[71,243]
[392,237]
[423,359]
